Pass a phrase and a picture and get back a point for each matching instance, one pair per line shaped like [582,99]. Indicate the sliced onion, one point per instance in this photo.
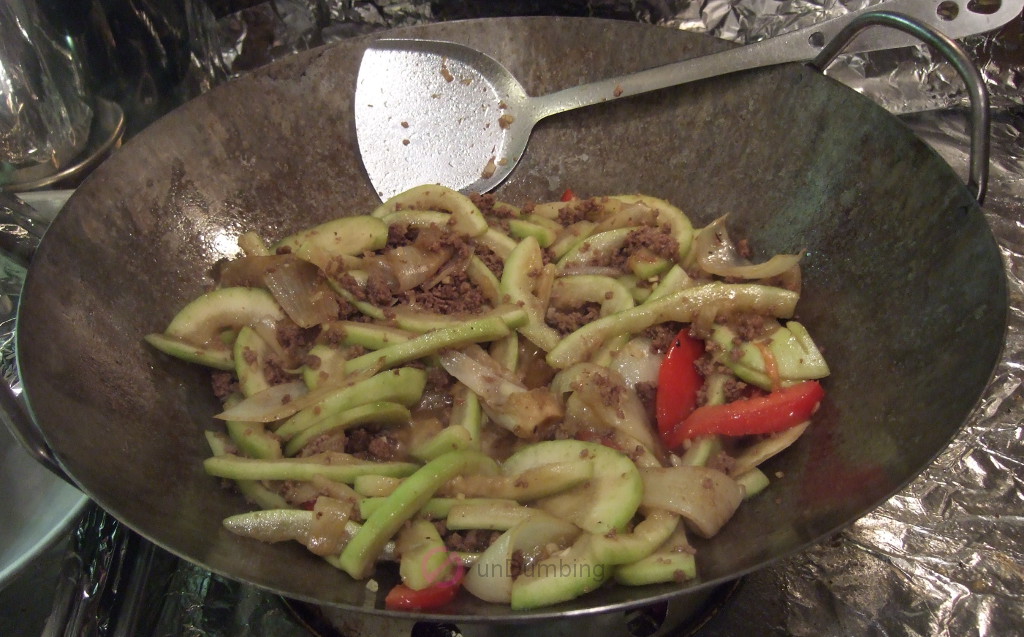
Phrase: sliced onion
[482,379]
[412,266]
[637,363]
[301,292]
[490,579]
[524,412]
[328,534]
[265,410]
[454,266]
[267,330]
[706,498]
[760,451]
[248,271]
[593,384]
[265,406]
[716,254]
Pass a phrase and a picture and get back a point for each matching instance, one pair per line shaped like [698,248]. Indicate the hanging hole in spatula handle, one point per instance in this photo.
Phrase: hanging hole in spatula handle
[977,179]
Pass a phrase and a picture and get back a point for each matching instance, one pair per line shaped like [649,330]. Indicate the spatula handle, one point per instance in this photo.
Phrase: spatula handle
[796,46]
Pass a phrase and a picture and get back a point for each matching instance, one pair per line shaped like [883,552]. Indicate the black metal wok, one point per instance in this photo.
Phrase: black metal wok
[904,285]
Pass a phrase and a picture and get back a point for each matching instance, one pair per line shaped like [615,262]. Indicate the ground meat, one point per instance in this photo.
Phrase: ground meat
[224,384]
[378,291]
[647,393]
[348,312]
[485,202]
[295,340]
[274,373]
[662,335]
[611,393]
[400,234]
[493,262]
[733,388]
[383,448]
[516,563]
[569,320]
[750,326]
[249,355]
[434,238]
[439,380]
[456,294]
[472,541]
[366,444]
[658,240]
[354,351]
[577,210]
[324,442]
[350,285]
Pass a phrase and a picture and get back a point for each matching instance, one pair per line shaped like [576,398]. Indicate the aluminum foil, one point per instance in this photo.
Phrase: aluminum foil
[943,557]
[44,110]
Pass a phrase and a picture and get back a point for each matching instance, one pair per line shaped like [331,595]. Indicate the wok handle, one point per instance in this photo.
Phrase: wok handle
[18,422]
[977,179]
[18,240]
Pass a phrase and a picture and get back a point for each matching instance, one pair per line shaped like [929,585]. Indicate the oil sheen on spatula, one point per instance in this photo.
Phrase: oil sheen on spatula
[431,112]
[436,112]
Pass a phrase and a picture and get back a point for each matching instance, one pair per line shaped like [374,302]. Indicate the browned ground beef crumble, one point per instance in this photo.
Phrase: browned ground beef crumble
[662,335]
[571,319]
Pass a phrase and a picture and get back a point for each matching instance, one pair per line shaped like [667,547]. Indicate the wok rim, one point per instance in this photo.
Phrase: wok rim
[552,612]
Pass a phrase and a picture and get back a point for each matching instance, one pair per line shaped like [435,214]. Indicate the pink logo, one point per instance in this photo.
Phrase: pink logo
[438,575]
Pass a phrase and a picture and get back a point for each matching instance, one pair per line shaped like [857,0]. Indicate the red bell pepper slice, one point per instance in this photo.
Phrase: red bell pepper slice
[568,195]
[775,412]
[678,382]
[439,594]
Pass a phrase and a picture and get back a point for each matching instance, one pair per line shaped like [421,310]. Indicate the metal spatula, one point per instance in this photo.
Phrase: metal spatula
[439,112]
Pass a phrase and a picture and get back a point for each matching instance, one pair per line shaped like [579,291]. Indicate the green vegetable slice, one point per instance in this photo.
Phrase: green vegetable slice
[524,268]
[404,385]
[212,356]
[381,413]
[357,559]
[201,321]
[237,468]
[680,306]
[485,329]
[466,217]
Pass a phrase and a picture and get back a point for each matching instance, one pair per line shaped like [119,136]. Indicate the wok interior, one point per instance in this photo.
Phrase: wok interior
[904,287]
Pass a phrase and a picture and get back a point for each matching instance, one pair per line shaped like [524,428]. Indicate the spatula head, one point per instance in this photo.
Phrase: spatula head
[431,112]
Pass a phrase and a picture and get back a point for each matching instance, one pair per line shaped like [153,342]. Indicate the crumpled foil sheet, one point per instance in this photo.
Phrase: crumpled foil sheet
[944,556]
[45,112]
[905,80]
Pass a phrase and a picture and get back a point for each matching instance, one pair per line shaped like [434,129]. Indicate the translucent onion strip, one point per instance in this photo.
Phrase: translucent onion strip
[716,254]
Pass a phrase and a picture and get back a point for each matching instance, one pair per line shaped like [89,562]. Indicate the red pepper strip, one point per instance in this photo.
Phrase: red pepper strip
[761,415]
[678,382]
[568,195]
[401,597]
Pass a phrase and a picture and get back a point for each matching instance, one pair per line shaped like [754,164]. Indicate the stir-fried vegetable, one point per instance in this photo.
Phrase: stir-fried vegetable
[520,404]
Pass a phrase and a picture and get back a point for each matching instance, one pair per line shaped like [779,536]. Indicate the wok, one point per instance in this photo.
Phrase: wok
[904,285]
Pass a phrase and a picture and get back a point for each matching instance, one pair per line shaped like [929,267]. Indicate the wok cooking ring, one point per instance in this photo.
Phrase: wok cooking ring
[904,284]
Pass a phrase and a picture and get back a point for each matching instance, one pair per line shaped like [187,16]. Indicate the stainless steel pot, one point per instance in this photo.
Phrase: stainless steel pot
[904,285]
